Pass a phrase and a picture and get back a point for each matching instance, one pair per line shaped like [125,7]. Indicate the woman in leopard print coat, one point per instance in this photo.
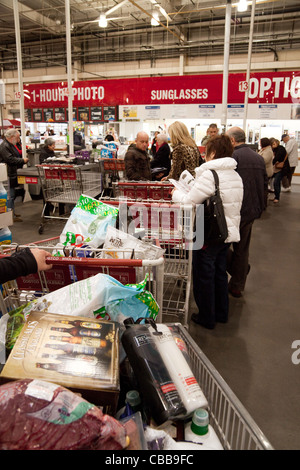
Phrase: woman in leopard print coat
[185,154]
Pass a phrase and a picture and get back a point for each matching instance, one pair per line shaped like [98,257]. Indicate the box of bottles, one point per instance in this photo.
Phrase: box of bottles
[80,353]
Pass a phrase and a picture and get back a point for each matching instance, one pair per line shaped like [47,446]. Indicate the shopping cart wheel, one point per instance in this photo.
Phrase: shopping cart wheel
[41,229]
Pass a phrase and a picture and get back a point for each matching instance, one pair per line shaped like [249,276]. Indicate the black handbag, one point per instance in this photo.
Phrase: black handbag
[215,225]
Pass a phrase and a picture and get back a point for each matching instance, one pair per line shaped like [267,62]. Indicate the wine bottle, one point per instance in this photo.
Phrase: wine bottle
[77,331]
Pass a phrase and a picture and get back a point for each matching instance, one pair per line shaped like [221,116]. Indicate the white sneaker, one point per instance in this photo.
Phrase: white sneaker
[286,190]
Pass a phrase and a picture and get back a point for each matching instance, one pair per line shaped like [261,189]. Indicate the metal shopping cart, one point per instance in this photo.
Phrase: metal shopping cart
[143,190]
[235,427]
[63,184]
[113,170]
[76,267]
[172,224]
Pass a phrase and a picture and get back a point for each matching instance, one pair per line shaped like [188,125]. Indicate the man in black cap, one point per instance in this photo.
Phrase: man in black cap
[291,148]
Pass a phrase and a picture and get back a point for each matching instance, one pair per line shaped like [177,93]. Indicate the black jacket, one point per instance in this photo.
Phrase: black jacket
[137,164]
[10,155]
[46,153]
[162,158]
[19,264]
[252,169]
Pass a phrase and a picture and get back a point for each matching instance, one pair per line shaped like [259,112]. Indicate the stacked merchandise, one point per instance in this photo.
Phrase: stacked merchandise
[56,357]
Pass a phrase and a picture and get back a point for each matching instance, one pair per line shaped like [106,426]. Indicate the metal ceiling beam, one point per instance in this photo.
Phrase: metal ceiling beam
[35,17]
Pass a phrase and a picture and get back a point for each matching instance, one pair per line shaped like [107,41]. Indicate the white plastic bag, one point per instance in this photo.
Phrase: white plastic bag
[120,244]
[88,222]
[100,296]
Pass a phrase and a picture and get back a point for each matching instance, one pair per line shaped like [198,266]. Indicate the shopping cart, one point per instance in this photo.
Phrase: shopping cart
[76,266]
[113,170]
[173,225]
[63,184]
[234,426]
[142,190]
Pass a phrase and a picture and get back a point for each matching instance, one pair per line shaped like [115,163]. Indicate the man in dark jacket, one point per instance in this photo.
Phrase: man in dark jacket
[251,168]
[10,155]
[137,162]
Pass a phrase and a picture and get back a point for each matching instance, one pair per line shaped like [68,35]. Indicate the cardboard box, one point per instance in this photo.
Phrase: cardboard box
[80,353]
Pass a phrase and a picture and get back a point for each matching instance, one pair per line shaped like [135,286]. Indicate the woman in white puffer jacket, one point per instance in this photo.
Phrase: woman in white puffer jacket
[210,284]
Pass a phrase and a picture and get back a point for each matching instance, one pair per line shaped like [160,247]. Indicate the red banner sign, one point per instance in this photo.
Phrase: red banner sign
[264,87]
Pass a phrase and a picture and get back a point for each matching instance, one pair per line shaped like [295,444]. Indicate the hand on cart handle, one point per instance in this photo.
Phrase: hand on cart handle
[40,257]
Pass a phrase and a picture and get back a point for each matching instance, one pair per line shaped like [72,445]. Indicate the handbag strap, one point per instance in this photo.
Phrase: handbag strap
[216,178]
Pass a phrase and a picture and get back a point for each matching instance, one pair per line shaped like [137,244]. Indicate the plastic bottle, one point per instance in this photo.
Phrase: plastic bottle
[132,404]
[178,368]
[5,236]
[201,432]
[3,199]
[159,392]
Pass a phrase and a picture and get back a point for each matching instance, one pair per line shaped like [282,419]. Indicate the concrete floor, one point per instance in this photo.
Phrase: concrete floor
[253,351]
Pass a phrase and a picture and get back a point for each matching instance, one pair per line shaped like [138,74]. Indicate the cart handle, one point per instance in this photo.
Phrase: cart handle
[100,262]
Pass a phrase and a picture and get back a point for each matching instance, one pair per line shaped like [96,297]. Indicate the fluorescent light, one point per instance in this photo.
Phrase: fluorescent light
[102,21]
[155,19]
[242,5]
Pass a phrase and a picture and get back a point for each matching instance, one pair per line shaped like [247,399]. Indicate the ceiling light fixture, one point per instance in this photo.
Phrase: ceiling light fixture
[242,5]
[155,19]
[102,21]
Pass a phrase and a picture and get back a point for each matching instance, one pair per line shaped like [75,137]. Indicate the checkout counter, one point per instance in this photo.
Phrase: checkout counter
[29,173]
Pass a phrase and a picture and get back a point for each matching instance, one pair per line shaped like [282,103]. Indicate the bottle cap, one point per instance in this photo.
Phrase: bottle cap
[200,422]
[133,398]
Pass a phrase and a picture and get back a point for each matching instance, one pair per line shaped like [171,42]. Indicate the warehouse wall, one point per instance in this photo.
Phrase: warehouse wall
[285,60]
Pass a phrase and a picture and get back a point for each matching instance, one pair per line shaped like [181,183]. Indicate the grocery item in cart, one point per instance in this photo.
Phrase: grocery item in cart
[74,352]
[199,430]
[180,372]
[160,395]
[39,415]
[88,222]
[116,241]
[100,296]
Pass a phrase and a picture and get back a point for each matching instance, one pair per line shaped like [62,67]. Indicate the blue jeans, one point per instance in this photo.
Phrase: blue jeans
[210,283]
[277,184]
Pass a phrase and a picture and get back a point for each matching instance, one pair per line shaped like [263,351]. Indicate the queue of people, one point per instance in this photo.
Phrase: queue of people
[244,177]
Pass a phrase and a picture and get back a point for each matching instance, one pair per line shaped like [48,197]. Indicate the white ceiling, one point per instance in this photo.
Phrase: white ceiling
[190,27]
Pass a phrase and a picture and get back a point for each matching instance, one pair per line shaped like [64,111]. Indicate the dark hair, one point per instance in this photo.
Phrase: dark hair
[220,145]
[264,142]
[109,138]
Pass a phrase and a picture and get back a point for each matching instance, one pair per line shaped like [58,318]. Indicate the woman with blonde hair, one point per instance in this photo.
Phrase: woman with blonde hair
[185,154]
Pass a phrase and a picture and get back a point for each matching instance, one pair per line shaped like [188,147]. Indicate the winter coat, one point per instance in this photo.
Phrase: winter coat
[137,164]
[231,191]
[10,155]
[184,157]
[292,150]
[252,169]
[162,157]
[45,153]
[267,154]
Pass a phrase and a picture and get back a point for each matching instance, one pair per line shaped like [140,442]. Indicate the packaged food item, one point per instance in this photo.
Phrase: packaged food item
[119,244]
[3,199]
[88,223]
[40,415]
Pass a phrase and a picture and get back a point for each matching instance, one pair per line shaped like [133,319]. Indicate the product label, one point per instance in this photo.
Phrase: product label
[66,409]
